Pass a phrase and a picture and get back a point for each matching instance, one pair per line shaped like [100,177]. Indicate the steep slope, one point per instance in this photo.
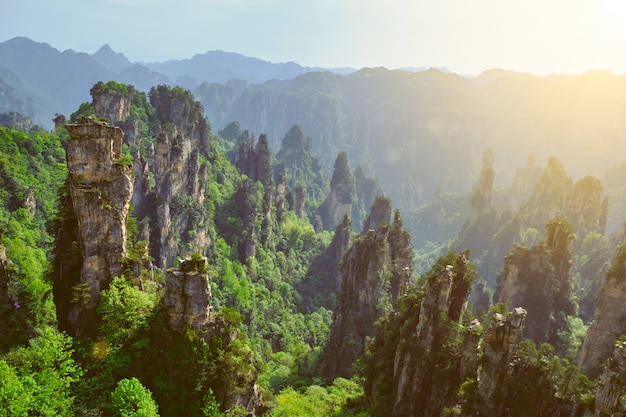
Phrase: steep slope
[65,77]
[375,270]
[420,353]
[101,190]
[538,278]
[608,318]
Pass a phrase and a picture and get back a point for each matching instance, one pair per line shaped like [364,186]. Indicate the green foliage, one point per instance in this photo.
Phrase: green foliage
[132,399]
[15,399]
[125,310]
[536,377]
[31,170]
[84,110]
[296,162]
[317,401]
[37,380]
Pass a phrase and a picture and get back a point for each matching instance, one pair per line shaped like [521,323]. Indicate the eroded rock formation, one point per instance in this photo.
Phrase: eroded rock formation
[538,277]
[372,276]
[188,296]
[341,196]
[100,186]
[612,381]
[609,319]
[170,176]
[499,345]
[5,298]
[427,375]
[483,193]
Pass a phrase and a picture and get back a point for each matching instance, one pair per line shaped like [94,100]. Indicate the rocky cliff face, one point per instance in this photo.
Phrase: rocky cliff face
[611,385]
[5,299]
[100,186]
[483,193]
[334,208]
[428,369]
[115,105]
[372,276]
[170,177]
[341,196]
[524,183]
[178,176]
[538,277]
[608,319]
[379,212]
[187,301]
[188,296]
[499,345]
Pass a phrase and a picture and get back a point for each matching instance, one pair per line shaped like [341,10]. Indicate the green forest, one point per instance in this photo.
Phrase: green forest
[150,266]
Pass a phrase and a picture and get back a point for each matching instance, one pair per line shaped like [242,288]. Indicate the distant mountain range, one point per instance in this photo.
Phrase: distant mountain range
[39,80]
[413,129]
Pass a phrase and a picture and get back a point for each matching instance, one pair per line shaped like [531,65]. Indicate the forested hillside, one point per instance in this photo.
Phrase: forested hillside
[150,265]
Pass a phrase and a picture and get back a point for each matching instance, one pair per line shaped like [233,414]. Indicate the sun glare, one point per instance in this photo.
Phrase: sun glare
[613,14]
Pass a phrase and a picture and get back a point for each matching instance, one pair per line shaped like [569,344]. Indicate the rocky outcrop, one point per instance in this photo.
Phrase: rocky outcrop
[499,346]
[427,371]
[538,277]
[169,139]
[187,302]
[612,383]
[279,197]
[100,186]
[439,211]
[5,298]
[178,186]
[188,296]
[256,161]
[608,320]
[379,212]
[115,105]
[549,197]
[372,276]
[341,196]
[586,209]
[246,201]
[524,183]
[483,193]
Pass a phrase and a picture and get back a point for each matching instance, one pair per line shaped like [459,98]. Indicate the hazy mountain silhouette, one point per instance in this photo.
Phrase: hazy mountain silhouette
[111,60]
[58,82]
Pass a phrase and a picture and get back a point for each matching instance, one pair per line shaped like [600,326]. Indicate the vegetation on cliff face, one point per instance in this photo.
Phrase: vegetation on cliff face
[302,320]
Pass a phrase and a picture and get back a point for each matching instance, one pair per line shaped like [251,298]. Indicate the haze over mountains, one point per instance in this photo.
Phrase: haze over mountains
[258,229]
[435,122]
[57,82]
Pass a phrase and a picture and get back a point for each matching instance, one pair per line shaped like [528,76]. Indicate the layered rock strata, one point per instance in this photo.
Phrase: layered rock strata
[374,270]
[188,296]
[499,345]
[420,386]
[101,188]
[608,320]
[538,277]
[612,383]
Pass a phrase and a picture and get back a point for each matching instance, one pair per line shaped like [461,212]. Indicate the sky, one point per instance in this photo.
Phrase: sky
[466,36]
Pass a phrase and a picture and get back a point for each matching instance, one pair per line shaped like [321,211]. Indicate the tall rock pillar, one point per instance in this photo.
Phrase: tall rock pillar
[611,385]
[188,296]
[101,189]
